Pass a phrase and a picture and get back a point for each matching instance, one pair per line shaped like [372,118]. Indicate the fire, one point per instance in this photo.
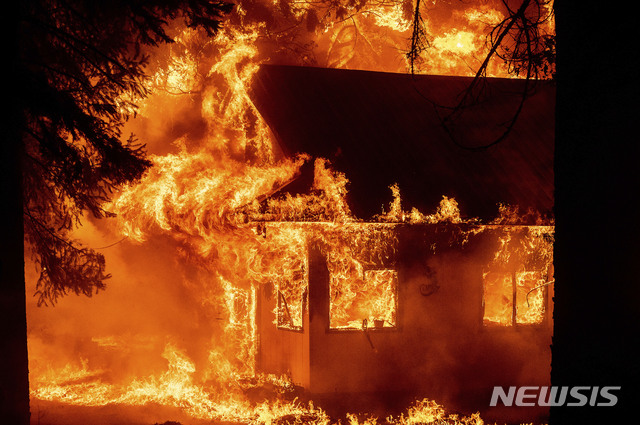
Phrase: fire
[421,412]
[428,411]
[363,284]
[175,387]
[516,279]
[218,200]
[447,211]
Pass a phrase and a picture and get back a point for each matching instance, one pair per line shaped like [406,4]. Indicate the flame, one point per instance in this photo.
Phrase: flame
[175,387]
[515,280]
[447,211]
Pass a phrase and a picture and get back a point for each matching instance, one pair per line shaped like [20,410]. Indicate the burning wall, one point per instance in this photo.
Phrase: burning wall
[438,321]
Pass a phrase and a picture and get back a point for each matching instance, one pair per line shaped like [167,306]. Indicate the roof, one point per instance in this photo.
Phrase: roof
[383,128]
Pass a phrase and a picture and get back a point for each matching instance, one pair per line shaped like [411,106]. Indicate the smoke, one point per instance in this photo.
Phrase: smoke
[123,330]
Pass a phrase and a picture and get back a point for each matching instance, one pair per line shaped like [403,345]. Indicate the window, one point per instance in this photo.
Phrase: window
[515,282]
[367,300]
[510,298]
[291,296]
[498,298]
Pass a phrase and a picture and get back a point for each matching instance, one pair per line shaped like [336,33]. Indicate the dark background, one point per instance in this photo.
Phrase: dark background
[596,314]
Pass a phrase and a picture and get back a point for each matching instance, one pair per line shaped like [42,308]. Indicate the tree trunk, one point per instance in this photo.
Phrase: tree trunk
[14,371]
[14,366]
[597,291]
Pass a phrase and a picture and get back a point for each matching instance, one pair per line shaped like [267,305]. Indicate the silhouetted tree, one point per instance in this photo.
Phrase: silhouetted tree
[80,68]
[521,40]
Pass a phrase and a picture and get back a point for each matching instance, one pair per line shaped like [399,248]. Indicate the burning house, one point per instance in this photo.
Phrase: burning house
[369,241]
[375,242]
[407,305]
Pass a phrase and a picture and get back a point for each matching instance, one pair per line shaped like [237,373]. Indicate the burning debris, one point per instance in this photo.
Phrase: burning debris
[248,296]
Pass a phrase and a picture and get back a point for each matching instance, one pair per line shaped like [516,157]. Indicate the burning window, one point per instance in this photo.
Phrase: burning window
[364,302]
[510,297]
[530,297]
[515,281]
[291,299]
[498,298]
[284,265]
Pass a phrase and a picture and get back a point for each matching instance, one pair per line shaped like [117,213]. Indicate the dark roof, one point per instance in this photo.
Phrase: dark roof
[382,128]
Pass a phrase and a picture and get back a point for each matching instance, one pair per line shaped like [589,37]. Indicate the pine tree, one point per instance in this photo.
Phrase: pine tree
[79,67]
